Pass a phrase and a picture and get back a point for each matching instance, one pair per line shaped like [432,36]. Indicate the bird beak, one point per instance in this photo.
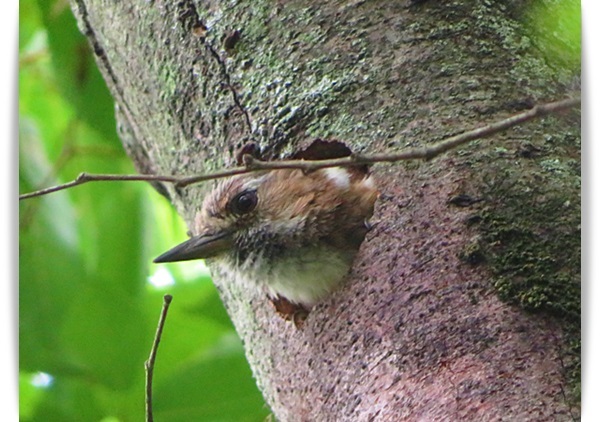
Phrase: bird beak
[198,247]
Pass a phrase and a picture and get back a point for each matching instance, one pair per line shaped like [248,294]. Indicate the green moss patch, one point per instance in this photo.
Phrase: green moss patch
[530,230]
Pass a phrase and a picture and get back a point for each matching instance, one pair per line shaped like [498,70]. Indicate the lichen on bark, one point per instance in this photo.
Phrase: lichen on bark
[531,232]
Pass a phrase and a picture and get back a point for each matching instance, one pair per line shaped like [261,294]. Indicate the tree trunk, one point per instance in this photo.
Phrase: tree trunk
[463,303]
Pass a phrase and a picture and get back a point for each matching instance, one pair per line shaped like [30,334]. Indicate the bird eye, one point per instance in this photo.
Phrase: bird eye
[244,202]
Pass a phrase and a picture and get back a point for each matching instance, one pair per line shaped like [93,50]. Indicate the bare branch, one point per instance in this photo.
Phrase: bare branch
[87,177]
[149,364]
[252,164]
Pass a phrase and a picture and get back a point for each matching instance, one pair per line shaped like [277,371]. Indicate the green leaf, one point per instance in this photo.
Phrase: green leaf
[557,28]
[29,396]
[49,268]
[76,72]
[67,400]
[106,336]
[215,387]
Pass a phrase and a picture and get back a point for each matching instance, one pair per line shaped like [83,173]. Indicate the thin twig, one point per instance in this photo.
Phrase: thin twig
[149,364]
[252,164]
[87,177]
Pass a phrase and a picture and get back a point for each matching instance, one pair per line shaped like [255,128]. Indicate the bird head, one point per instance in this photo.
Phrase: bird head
[266,219]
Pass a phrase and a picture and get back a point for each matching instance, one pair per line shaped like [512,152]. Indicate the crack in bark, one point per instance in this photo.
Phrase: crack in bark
[189,12]
[227,79]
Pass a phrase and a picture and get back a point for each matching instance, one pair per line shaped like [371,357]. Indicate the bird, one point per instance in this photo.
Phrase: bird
[289,232]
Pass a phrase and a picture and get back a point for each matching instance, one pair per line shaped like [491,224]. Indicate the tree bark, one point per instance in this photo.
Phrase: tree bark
[453,309]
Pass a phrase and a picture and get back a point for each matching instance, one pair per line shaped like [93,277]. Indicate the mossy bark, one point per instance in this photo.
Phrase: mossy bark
[450,312]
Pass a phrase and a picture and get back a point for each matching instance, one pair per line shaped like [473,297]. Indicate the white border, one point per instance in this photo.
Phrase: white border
[9,19]
[590,211]
[9,210]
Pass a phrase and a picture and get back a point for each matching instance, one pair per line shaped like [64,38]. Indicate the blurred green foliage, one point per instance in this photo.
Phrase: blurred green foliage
[89,297]
[556,27]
